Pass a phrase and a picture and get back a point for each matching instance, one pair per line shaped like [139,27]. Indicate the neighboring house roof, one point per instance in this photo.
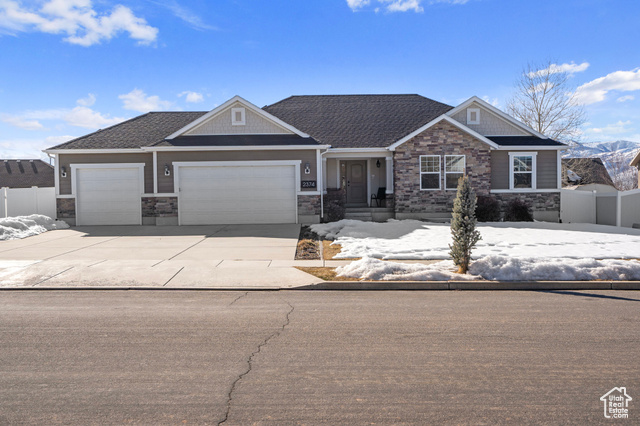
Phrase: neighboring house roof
[238,140]
[585,171]
[636,161]
[357,121]
[144,130]
[523,141]
[26,173]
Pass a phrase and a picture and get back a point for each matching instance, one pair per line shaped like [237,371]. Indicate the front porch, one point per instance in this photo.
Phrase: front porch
[364,177]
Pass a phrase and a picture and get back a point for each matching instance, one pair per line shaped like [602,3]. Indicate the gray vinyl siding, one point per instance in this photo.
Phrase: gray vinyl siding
[547,169]
[67,159]
[165,183]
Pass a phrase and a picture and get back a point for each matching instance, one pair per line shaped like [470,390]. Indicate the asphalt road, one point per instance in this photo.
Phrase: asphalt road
[293,357]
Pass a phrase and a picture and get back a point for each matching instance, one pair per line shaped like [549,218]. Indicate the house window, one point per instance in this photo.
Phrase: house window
[430,172]
[238,117]
[473,115]
[523,170]
[453,170]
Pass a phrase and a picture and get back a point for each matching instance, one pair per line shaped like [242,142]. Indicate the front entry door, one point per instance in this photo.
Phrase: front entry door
[356,182]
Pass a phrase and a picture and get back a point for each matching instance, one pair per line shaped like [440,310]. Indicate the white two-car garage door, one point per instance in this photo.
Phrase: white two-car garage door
[236,194]
[108,195]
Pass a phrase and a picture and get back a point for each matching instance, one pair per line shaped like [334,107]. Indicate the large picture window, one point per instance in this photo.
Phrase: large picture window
[430,172]
[523,170]
[453,170]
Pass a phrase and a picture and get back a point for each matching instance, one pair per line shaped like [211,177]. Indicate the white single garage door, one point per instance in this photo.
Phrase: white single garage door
[108,196]
[237,194]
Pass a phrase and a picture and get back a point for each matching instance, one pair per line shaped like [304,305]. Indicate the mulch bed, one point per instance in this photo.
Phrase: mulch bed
[308,245]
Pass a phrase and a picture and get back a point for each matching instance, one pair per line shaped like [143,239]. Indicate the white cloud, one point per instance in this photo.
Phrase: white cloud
[21,122]
[490,101]
[137,100]
[192,97]
[56,140]
[185,14]
[570,69]
[398,5]
[625,98]
[612,129]
[77,19]
[596,90]
[79,116]
[88,101]
[357,4]
[89,119]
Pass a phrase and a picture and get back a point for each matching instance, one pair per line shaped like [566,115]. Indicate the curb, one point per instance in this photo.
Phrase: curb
[379,286]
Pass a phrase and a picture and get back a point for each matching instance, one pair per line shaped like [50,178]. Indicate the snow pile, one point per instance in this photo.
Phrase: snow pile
[12,228]
[496,268]
[412,239]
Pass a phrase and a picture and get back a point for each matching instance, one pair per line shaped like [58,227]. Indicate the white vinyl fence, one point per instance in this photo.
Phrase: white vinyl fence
[27,201]
[620,208]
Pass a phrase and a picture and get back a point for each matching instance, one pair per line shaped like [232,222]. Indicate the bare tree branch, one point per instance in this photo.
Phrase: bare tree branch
[545,101]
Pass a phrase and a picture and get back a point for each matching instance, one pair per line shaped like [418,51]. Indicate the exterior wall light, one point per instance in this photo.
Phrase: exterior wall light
[63,171]
[378,163]
[167,170]
[307,169]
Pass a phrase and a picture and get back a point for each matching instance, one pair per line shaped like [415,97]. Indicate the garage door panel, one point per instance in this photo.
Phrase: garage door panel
[238,194]
[108,196]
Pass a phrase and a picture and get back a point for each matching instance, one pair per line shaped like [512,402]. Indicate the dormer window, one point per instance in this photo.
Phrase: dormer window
[238,117]
[473,115]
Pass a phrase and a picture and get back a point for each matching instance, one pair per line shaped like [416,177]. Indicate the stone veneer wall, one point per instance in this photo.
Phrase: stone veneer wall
[543,204]
[65,208]
[441,139]
[308,204]
[159,206]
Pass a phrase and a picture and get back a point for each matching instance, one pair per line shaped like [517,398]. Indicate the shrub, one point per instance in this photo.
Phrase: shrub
[518,211]
[463,226]
[487,209]
[334,202]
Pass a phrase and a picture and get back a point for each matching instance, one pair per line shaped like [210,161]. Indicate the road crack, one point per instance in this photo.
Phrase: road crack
[250,362]
[238,298]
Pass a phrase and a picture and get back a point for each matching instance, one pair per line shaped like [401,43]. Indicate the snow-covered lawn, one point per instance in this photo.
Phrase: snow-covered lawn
[12,228]
[412,239]
[508,251]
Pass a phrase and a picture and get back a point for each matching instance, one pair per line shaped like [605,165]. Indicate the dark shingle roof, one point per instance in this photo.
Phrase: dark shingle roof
[357,121]
[25,174]
[144,130]
[239,140]
[590,170]
[523,141]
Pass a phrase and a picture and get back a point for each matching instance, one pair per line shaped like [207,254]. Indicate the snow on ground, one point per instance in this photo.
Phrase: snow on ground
[412,239]
[496,268]
[12,228]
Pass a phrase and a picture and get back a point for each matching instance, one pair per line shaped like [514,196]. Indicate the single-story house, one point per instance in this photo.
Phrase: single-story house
[26,174]
[586,174]
[243,164]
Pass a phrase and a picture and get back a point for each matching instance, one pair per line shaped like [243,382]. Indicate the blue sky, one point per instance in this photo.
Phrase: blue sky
[69,67]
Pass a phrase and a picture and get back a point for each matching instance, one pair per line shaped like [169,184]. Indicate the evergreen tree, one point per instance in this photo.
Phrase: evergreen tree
[463,226]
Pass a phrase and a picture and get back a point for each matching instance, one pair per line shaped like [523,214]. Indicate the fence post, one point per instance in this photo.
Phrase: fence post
[4,202]
[619,208]
[35,198]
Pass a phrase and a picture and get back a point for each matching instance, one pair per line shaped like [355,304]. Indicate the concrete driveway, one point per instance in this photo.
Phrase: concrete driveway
[175,256]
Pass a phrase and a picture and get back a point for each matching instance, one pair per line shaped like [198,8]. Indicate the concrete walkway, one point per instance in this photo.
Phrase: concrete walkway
[251,256]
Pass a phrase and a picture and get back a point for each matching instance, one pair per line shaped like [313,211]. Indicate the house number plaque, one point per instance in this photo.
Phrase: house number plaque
[308,183]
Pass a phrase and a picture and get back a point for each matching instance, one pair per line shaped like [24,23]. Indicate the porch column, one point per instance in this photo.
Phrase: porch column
[389,175]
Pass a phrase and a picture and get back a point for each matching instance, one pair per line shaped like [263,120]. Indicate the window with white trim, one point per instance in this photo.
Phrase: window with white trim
[430,172]
[473,115]
[238,117]
[522,170]
[454,167]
